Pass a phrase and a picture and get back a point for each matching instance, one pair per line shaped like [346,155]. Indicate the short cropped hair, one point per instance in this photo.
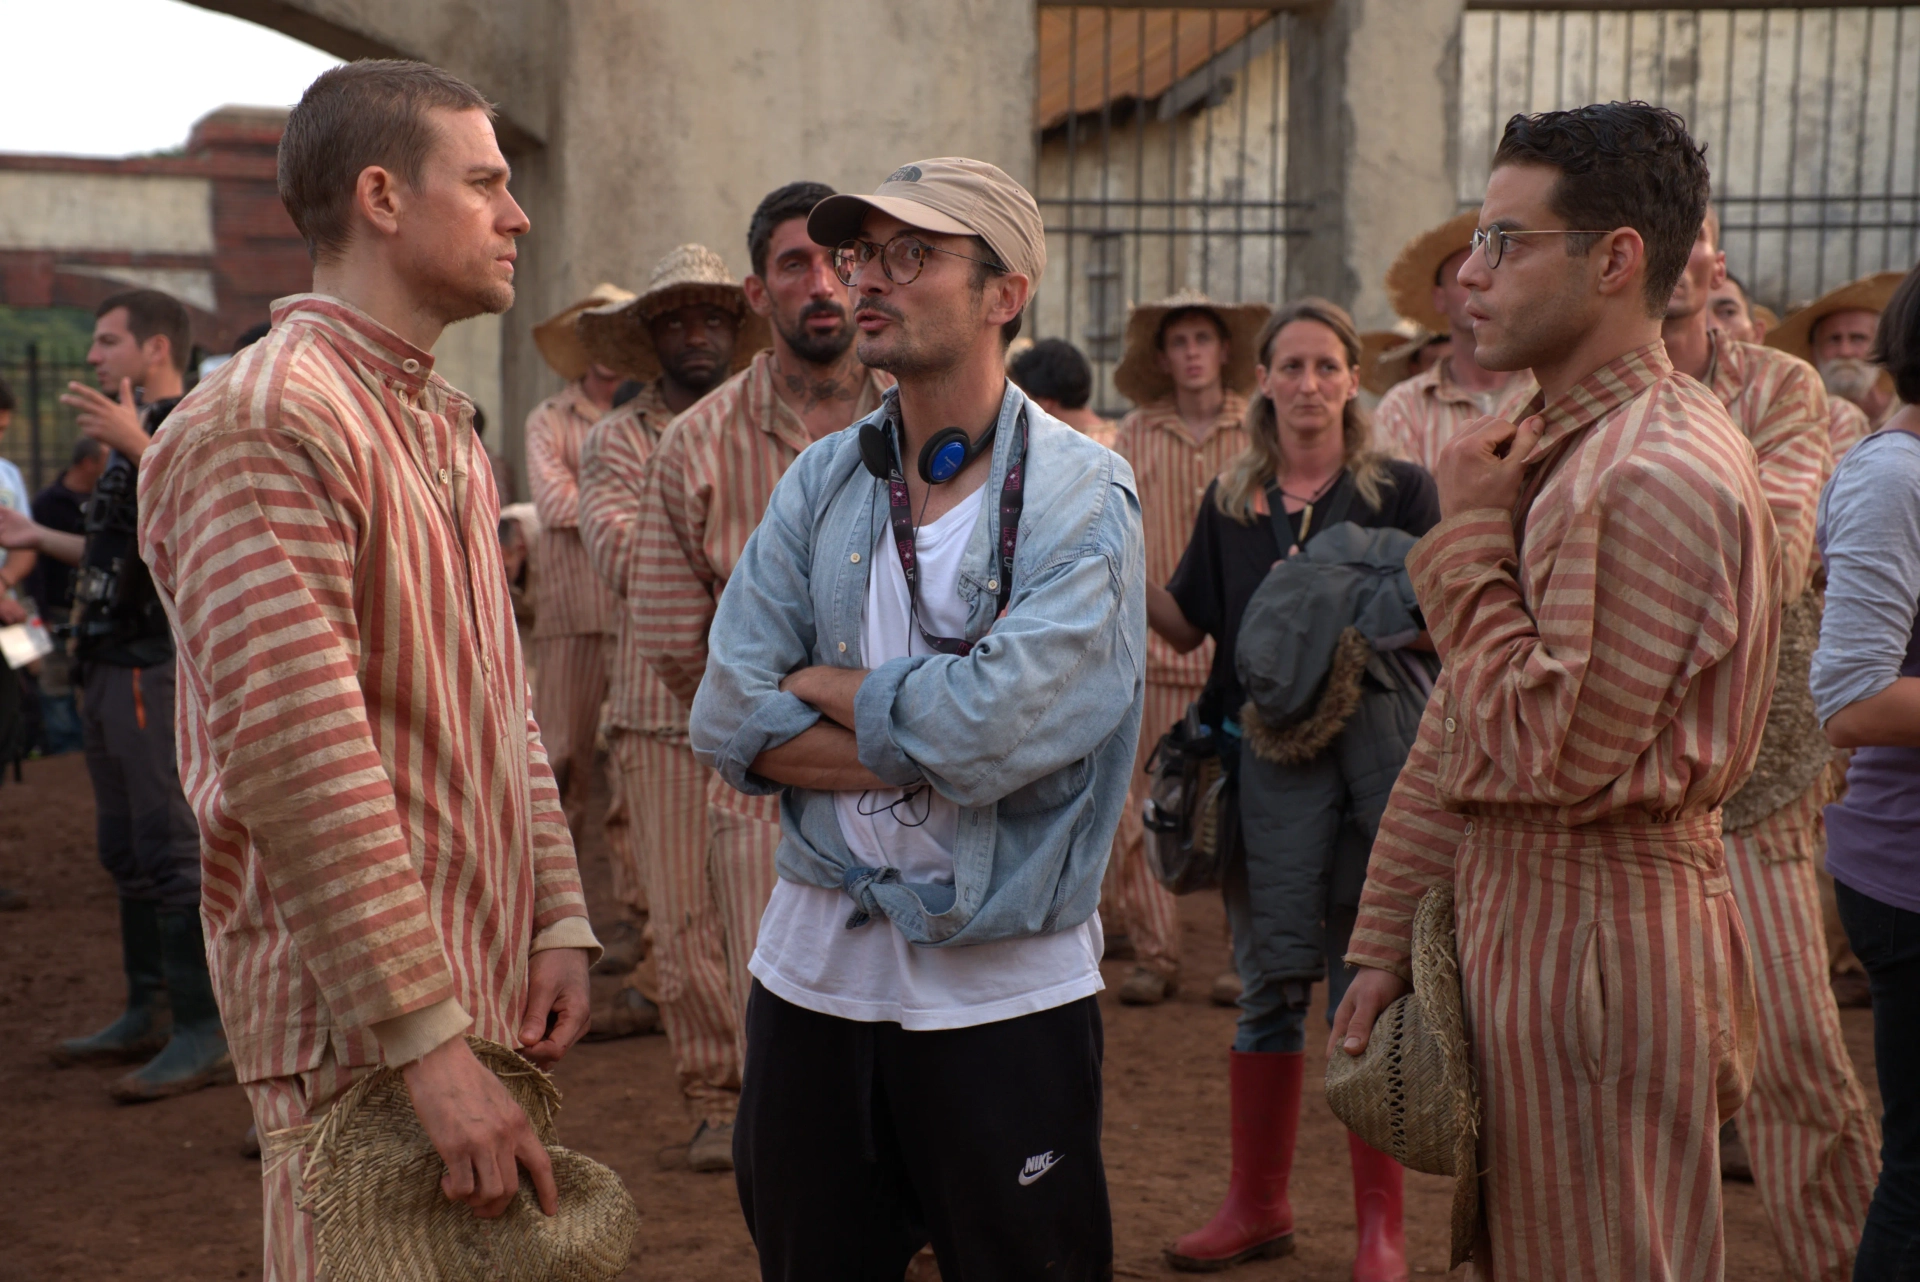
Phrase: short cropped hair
[151,312]
[1054,368]
[85,450]
[371,112]
[1622,164]
[1896,347]
[795,200]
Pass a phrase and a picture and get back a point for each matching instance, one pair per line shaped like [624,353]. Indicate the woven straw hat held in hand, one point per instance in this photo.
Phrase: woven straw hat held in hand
[371,1179]
[1410,1094]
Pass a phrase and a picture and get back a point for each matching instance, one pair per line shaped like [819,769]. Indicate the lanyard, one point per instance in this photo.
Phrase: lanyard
[900,517]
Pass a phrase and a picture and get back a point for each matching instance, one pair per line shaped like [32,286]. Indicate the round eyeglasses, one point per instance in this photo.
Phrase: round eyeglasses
[1492,241]
[903,258]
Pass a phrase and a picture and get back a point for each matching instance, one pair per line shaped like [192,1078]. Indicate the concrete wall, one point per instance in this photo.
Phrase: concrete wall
[636,125]
[141,213]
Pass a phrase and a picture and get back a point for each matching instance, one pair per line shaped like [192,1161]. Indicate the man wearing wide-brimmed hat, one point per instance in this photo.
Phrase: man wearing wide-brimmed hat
[573,620]
[676,532]
[1836,332]
[1188,367]
[1389,357]
[1416,419]
[686,333]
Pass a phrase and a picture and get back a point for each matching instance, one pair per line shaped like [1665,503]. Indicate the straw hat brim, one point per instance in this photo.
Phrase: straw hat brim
[618,337]
[1386,357]
[1410,279]
[1139,377]
[371,1180]
[1411,1093]
[1794,335]
[559,340]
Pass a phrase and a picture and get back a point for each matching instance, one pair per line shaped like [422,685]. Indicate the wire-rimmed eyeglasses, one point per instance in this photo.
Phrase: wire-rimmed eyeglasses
[1492,241]
[903,258]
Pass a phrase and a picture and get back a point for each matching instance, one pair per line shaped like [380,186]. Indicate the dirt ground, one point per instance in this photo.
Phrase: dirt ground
[96,1191]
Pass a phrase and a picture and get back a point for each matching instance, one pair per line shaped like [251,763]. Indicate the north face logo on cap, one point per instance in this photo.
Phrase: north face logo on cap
[905,174]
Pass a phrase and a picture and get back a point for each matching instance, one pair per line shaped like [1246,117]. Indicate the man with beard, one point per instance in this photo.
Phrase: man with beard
[703,492]
[387,863]
[1810,1134]
[1417,417]
[931,650]
[1601,591]
[682,337]
[1836,332]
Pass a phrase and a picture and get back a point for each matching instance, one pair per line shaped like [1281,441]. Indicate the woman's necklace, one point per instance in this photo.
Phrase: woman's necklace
[1306,503]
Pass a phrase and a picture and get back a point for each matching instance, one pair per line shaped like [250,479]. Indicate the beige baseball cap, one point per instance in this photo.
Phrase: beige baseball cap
[950,195]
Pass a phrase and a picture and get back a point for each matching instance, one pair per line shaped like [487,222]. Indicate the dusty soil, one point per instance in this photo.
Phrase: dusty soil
[93,1190]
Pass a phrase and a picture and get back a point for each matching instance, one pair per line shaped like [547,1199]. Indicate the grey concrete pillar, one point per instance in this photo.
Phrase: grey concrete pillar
[1371,141]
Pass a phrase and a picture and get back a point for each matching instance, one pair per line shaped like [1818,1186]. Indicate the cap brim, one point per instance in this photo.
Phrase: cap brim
[838,218]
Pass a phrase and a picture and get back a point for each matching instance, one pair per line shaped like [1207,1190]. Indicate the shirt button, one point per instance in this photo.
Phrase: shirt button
[843,647]
[856,558]
[1468,830]
[410,365]
[1450,725]
[993,585]
[446,476]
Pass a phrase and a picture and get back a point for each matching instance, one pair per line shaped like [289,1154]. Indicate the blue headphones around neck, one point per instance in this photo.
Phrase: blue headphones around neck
[942,458]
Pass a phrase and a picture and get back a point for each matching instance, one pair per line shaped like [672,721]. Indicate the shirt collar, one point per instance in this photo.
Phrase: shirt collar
[359,337]
[1598,394]
[1726,368]
[1165,415]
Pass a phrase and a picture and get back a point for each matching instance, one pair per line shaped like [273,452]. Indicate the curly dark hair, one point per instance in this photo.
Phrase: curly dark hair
[1055,369]
[795,200]
[1622,164]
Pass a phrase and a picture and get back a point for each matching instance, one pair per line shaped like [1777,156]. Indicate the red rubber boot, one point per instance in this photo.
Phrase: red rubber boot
[1256,1220]
[1379,1200]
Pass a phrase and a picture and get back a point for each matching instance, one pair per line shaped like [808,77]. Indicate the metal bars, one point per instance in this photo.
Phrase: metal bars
[1811,117]
[43,431]
[1160,165]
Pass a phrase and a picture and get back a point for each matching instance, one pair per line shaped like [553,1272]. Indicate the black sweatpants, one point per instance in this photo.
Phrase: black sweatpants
[857,1143]
[149,840]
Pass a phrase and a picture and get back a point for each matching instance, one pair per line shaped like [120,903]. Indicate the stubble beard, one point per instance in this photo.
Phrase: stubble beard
[1848,378]
[822,350]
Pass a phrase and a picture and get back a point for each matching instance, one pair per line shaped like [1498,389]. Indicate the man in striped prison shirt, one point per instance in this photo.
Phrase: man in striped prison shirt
[1603,593]
[386,864]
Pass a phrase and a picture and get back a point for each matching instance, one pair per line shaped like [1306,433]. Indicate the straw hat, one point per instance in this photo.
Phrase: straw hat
[1386,356]
[559,341]
[1410,279]
[1139,377]
[616,334]
[1411,1093]
[1868,294]
[371,1178]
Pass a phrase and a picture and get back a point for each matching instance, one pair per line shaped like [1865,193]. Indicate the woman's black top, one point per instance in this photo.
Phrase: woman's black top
[1225,561]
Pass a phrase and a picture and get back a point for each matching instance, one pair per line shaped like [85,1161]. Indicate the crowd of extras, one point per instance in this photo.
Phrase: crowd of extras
[1623,651]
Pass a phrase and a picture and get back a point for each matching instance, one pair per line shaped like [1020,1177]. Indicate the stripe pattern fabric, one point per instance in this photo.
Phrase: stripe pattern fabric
[1171,472]
[1604,691]
[381,834]
[1132,900]
[1418,416]
[569,598]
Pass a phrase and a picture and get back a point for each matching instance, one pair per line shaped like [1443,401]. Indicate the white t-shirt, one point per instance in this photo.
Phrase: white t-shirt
[807,956]
[13,494]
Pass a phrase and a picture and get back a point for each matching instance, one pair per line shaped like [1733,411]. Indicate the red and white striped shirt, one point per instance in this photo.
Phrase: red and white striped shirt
[569,598]
[1620,674]
[1171,473]
[382,844]
[611,467]
[705,489]
[1418,416]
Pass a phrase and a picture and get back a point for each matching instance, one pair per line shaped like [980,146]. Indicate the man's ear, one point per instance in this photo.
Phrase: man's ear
[1622,258]
[758,296]
[157,351]
[1011,293]
[379,199]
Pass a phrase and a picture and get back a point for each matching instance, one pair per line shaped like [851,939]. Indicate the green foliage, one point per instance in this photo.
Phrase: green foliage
[64,333]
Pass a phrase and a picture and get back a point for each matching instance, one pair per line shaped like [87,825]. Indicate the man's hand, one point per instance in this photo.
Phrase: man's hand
[114,423]
[1371,992]
[557,995]
[482,1135]
[1484,465]
[832,690]
[11,611]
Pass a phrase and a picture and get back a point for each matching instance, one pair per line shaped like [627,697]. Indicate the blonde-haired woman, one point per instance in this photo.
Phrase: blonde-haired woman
[1308,465]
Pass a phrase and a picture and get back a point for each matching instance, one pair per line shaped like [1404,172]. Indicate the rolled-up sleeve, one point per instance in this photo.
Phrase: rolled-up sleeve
[1870,539]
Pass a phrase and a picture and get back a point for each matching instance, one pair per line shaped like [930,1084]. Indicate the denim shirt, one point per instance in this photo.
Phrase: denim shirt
[1032,734]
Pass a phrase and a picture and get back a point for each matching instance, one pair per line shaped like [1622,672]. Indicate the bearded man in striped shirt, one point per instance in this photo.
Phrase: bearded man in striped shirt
[386,863]
[1602,590]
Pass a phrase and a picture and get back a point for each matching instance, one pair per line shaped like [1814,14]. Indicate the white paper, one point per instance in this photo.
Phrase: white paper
[22,643]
